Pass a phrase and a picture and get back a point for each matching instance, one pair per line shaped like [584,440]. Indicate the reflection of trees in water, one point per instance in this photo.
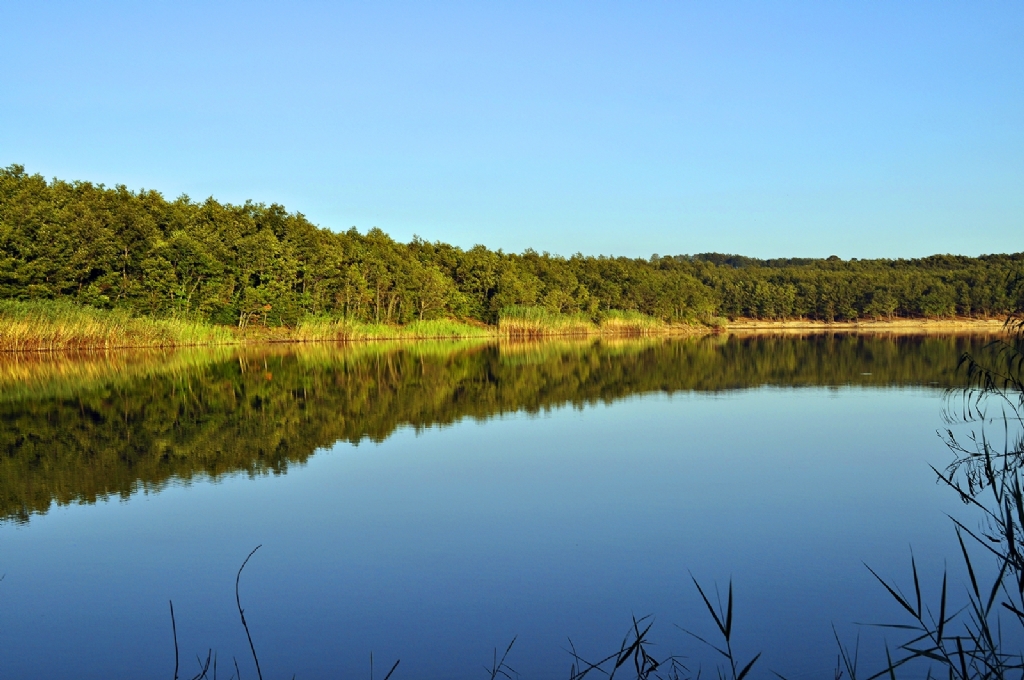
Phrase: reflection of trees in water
[77,428]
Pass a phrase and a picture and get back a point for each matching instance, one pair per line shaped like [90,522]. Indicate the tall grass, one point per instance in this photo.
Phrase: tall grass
[47,325]
[631,323]
[527,322]
[321,329]
[520,322]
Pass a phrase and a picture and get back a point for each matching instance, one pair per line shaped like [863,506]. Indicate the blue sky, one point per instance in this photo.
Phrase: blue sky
[768,129]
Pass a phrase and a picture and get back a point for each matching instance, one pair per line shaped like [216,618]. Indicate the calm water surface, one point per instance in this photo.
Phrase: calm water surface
[429,502]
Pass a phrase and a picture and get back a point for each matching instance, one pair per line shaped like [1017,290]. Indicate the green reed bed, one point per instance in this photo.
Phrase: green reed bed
[320,329]
[519,322]
[46,325]
[631,323]
[527,322]
[620,322]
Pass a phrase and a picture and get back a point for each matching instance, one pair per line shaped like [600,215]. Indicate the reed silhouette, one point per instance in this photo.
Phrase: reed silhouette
[982,639]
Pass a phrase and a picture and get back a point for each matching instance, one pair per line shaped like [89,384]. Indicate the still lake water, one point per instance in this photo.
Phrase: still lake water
[430,501]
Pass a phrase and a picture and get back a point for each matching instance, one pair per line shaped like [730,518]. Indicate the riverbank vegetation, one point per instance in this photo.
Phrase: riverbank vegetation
[253,266]
[61,325]
[533,322]
[47,325]
[319,329]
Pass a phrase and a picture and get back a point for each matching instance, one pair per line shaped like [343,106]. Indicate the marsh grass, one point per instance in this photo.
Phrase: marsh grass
[519,323]
[48,325]
[53,325]
[321,329]
[630,323]
[533,322]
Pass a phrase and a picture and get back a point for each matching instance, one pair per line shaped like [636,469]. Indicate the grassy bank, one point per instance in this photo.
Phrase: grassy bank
[63,326]
[912,326]
[48,325]
[536,322]
[316,329]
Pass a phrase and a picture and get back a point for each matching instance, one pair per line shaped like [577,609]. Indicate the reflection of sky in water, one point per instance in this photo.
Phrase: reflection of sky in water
[439,546]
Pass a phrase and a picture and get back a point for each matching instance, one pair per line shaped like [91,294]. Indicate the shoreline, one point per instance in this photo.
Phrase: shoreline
[103,331]
[279,337]
[867,326]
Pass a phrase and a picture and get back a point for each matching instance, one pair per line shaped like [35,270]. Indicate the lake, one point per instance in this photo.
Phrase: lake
[431,501]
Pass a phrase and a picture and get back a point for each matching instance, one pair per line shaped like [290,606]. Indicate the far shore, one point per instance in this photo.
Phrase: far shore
[896,326]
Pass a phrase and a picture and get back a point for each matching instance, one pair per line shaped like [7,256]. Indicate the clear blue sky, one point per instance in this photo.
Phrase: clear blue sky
[769,129]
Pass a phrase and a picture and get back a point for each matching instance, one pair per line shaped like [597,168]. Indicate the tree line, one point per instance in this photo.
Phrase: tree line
[258,264]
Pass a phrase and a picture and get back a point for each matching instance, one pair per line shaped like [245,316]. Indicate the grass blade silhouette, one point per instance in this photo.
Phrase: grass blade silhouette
[241,612]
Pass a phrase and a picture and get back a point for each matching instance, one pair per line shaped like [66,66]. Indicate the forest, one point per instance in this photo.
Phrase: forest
[259,265]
